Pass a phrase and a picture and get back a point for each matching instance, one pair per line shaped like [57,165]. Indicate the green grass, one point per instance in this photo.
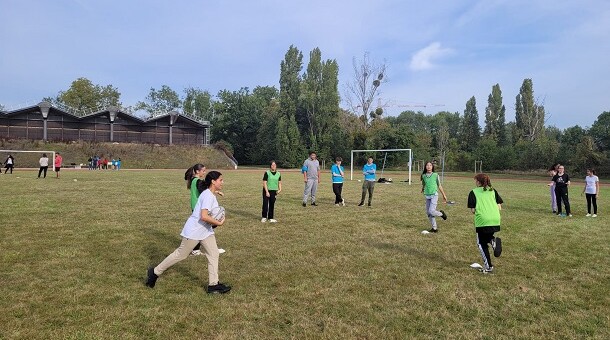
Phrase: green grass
[73,259]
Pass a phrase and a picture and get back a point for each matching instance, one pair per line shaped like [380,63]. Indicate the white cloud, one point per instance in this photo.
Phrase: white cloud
[423,59]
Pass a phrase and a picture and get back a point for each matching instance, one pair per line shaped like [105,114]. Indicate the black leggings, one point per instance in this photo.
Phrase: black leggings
[268,204]
[561,194]
[337,189]
[43,169]
[591,198]
[483,240]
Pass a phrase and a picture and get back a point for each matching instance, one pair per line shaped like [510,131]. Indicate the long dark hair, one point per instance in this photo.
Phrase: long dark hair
[433,167]
[592,171]
[211,176]
[190,174]
[485,181]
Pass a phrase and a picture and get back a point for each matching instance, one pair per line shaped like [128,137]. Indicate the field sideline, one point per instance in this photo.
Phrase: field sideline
[74,256]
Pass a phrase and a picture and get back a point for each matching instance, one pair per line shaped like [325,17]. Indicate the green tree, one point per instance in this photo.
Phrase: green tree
[495,117]
[160,101]
[529,115]
[587,155]
[84,96]
[198,103]
[290,90]
[600,131]
[471,132]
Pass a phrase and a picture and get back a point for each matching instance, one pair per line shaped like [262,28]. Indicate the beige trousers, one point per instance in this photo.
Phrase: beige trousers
[182,252]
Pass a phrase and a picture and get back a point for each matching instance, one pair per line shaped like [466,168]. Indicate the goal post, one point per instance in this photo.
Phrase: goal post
[5,153]
[351,174]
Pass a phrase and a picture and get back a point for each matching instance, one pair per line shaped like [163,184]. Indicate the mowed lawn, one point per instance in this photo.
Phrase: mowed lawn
[74,254]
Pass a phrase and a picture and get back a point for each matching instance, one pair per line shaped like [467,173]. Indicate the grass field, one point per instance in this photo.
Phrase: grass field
[73,258]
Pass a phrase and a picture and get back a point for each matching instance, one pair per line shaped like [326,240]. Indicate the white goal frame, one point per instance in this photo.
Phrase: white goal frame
[351,172]
[52,160]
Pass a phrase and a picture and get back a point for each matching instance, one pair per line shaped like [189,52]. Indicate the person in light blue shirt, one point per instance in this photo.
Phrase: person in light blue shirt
[338,173]
[368,170]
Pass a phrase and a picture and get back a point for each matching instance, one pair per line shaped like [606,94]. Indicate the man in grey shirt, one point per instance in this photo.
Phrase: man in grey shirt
[311,175]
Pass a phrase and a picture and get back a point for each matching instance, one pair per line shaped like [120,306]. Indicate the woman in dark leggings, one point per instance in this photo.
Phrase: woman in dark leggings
[562,181]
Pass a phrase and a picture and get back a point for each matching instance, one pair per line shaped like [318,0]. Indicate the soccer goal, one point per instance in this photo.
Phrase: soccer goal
[478,167]
[383,160]
[28,158]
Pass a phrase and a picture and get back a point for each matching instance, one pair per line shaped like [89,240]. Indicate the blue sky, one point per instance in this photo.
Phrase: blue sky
[437,52]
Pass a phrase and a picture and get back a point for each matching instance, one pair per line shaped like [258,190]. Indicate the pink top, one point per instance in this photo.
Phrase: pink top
[58,161]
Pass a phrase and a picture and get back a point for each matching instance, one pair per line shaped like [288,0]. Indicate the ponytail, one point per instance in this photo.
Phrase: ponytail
[190,174]
[485,182]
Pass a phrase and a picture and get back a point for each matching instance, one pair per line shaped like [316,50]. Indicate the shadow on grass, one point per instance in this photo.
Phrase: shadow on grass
[422,254]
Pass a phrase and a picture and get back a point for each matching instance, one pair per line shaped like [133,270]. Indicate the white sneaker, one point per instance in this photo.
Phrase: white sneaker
[588,215]
[594,215]
[336,205]
[263,220]
[272,221]
[196,253]
[343,201]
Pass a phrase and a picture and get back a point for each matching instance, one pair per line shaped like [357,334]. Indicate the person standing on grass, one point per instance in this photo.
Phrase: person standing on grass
[44,165]
[199,228]
[368,170]
[561,180]
[552,173]
[591,190]
[194,177]
[338,174]
[311,176]
[272,186]
[9,164]
[485,203]
[431,185]
[58,160]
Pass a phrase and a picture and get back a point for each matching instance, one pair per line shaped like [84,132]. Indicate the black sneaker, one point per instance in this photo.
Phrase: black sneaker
[361,204]
[489,270]
[304,204]
[443,216]
[313,203]
[152,278]
[369,204]
[218,289]
[433,230]
[496,244]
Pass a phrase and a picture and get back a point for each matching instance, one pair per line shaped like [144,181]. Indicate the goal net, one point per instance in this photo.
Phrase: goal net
[27,158]
[395,163]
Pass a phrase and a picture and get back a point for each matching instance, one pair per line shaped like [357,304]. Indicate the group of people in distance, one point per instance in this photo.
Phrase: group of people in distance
[484,202]
[102,163]
[560,181]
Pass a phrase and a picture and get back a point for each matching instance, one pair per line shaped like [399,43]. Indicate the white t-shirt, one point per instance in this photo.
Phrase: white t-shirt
[195,228]
[9,161]
[590,187]
[44,161]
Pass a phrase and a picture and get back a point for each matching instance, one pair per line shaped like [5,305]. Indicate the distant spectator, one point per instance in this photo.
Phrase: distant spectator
[44,165]
[118,164]
[9,164]
[58,161]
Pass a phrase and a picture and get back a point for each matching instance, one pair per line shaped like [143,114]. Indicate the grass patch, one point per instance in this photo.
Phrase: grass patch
[74,257]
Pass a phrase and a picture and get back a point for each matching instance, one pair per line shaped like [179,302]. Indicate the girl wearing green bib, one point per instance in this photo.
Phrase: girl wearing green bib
[431,185]
[485,203]
[272,186]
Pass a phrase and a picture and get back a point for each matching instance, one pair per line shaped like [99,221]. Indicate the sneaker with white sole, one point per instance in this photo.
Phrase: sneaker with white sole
[263,220]
[196,252]
[272,221]
[487,270]
[588,215]
[594,215]
[343,202]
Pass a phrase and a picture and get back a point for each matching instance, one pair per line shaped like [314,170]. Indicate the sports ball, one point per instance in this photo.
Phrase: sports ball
[217,213]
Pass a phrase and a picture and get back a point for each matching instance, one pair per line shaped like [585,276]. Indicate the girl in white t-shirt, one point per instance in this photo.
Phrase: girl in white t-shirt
[591,190]
[198,229]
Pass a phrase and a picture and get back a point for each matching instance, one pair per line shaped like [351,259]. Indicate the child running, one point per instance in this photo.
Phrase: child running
[198,229]
[591,190]
[485,203]
[194,178]
[431,185]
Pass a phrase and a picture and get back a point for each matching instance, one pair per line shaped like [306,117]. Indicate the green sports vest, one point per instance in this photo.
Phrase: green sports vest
[194,192]
[430,183]
[487,213]
[273,181]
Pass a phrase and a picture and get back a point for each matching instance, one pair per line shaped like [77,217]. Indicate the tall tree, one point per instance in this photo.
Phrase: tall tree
[311,93]
[529,115]
[160,101]
[364,88]
[471,132]
[290,90]
[495,117]
[600,131]
[198,103]
[84,96]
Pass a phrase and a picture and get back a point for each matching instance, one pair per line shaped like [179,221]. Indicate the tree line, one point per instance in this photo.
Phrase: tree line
[304,114]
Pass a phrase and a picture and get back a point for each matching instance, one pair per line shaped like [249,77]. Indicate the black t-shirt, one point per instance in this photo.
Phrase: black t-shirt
[561,182]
